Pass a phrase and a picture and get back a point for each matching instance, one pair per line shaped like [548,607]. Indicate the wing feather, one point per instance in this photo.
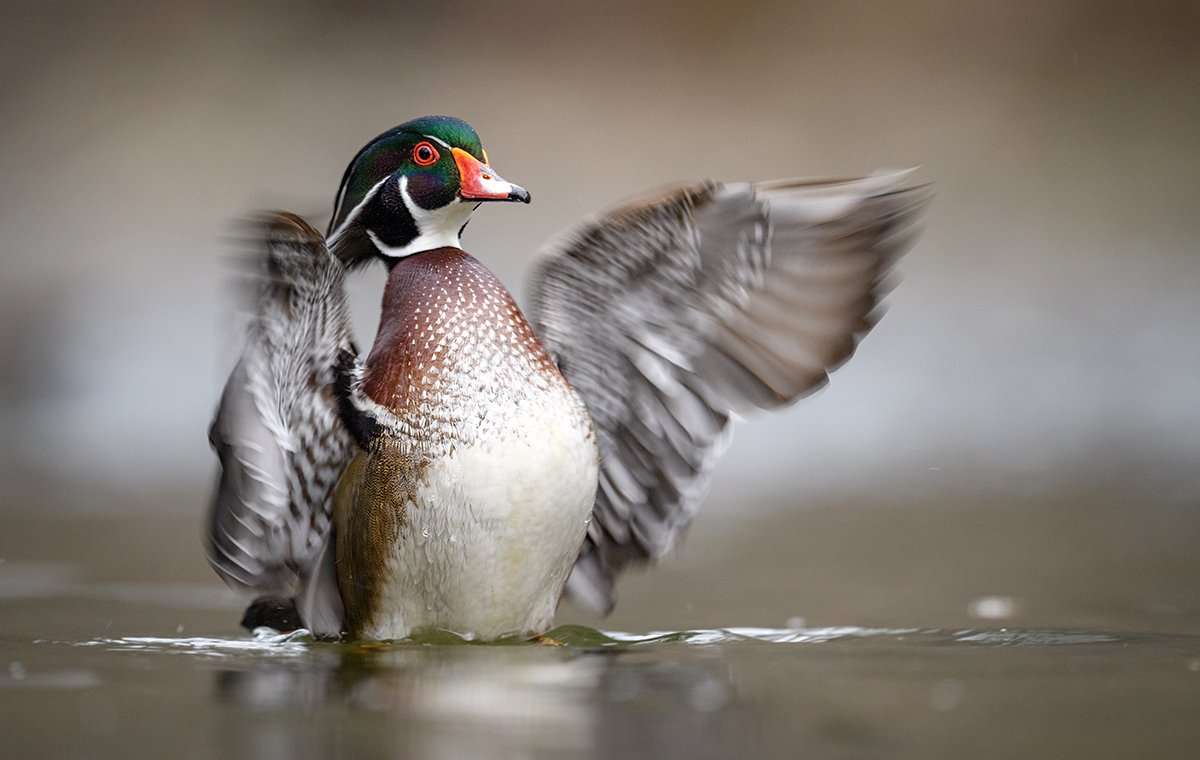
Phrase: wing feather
[671,316]
[277,431]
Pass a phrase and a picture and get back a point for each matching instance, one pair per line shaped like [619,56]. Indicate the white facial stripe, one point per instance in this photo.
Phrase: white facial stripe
[337,203]
[333,236]
[439,141]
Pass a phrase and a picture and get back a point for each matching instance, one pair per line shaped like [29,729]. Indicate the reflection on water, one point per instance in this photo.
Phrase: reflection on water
[451,702]
[815,692]
[93,665]
[589,694]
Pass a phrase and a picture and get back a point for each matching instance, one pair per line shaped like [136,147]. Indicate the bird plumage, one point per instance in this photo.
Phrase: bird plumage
[481,460]
[466,508]
[277,431]
[671,317]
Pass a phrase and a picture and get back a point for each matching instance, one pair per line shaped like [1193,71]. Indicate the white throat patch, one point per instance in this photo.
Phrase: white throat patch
[436,228]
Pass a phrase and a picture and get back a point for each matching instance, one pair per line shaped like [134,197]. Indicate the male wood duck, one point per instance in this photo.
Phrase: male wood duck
[478,464]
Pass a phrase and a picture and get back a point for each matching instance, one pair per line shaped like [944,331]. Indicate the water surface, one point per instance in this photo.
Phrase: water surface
[737,692]
[853,634]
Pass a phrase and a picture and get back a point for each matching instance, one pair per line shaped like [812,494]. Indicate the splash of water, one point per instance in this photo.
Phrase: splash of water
[266,641]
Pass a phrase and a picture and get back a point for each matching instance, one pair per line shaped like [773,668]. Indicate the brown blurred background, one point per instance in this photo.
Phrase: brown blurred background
[1017,443]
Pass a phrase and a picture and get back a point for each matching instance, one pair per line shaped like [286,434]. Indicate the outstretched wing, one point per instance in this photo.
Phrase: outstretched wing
[277,431]
[669,317]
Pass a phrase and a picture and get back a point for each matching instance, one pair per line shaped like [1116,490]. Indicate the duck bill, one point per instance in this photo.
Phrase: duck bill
[478,182]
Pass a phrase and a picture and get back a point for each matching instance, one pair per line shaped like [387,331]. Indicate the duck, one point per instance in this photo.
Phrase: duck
[481,462]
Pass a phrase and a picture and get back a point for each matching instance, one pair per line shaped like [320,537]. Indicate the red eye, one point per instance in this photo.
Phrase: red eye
[425,154]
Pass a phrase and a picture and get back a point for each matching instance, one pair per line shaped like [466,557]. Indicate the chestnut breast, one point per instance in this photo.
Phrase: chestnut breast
[454,355]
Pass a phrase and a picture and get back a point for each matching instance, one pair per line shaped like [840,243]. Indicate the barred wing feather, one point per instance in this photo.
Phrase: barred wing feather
[277,432]
[673,316]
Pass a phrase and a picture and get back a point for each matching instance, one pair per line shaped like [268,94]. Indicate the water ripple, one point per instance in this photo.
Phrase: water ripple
[265,641]
[1009,638]
[765,635]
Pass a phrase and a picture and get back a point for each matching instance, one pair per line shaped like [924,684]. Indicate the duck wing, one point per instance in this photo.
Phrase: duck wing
[672,316]
[277,430]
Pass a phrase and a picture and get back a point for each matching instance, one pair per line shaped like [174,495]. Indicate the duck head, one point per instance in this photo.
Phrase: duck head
[412,189]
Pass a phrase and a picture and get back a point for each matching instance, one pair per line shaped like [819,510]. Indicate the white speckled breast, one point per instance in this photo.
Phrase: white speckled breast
[497,458]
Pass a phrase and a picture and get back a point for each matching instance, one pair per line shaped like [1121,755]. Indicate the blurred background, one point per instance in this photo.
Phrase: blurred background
[1017,443]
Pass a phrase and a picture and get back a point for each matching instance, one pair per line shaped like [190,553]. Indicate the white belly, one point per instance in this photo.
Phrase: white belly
[493,532]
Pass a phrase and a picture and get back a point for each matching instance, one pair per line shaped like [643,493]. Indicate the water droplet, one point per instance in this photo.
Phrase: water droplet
[425,533]
[453,539]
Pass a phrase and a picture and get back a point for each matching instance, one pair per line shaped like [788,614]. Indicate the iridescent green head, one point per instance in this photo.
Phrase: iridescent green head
[412,189]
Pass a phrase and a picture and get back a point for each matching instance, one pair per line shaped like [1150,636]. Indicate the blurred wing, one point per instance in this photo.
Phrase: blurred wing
[277,431]
[670,317]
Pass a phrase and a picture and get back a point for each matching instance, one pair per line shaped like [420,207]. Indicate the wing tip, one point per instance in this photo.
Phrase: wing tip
[886,177]
[289,226]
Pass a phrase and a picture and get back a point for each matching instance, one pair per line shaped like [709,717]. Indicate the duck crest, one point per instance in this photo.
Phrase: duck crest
[453,350]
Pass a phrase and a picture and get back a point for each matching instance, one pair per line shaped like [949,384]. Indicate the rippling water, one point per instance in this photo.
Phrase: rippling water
[116,642]
[730,692]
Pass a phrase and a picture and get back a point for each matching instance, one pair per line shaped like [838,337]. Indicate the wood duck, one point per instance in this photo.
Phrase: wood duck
[479,464]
